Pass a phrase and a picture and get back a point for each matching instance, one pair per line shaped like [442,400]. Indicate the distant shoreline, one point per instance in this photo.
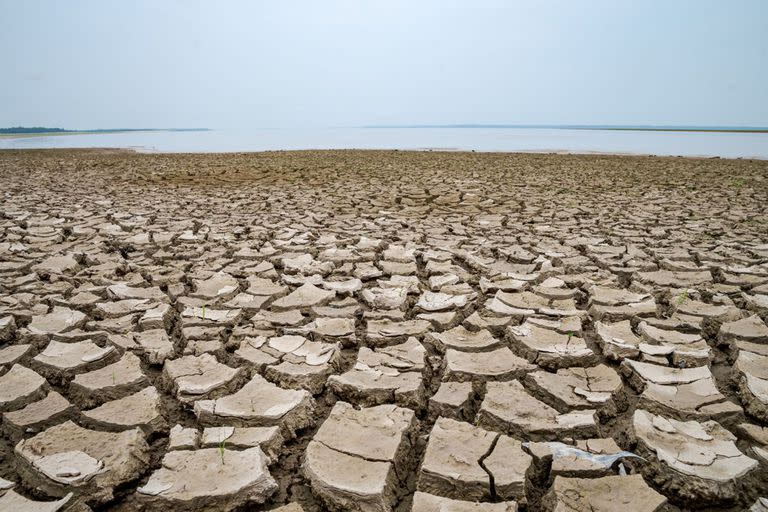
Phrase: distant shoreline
[705,129]
[8,133]
[55,134]
[673,142]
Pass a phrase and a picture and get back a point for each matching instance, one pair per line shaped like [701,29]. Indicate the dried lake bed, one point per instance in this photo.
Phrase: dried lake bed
[382,330]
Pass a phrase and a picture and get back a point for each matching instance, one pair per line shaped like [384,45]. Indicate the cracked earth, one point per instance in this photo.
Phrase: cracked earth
[375,331]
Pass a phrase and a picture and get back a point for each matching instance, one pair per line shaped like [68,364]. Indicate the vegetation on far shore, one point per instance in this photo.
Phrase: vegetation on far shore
[37,130]
[31,129]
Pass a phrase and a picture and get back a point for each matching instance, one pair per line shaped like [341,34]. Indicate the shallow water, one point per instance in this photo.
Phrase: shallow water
[728,145]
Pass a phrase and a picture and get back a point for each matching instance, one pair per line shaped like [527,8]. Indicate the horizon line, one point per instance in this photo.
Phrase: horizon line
[49,129]
[629,127]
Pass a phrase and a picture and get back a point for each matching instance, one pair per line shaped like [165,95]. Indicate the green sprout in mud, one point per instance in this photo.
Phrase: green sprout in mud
[222,445]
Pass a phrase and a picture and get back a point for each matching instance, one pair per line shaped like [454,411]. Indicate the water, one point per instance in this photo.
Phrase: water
[708,144]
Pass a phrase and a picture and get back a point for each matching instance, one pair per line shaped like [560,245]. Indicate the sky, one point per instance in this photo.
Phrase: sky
[288,64]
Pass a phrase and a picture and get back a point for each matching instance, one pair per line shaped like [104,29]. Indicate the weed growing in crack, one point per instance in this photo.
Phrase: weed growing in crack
[222,445]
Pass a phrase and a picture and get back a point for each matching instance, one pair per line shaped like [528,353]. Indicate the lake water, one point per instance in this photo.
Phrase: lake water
[727,145]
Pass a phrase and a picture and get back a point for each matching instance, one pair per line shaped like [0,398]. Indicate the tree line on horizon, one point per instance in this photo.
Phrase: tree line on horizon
[42,129]
[32,129]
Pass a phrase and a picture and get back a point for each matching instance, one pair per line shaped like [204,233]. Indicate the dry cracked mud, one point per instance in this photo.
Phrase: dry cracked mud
[382,330]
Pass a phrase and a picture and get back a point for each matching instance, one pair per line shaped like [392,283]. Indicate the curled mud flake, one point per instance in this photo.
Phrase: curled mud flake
[286,343]
[154,487]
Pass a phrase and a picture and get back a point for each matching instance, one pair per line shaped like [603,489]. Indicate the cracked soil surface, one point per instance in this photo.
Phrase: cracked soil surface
[382,330]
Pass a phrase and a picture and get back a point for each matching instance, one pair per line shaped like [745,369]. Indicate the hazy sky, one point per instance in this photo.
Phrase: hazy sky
[220,64]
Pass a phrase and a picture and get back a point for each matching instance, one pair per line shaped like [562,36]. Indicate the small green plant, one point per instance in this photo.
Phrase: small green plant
[113,377]
[222,445]
[682,298]
[204,305]
[738,183]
